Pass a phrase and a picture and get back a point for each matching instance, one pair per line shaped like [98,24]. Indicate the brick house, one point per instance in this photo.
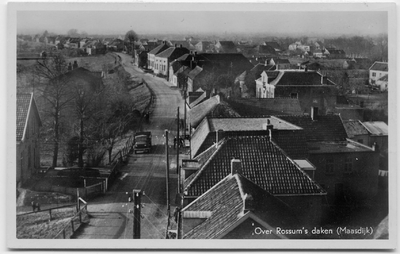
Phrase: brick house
[28,125]
[346,169]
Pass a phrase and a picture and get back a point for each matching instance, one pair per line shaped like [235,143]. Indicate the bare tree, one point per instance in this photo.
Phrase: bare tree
[54,89]
[131,36]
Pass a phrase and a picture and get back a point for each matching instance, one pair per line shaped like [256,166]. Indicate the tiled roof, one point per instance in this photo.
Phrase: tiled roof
[325,128]
[228,46]
[292,142]
[194,96]
[301,78]
[354,128]
[236,63]
[176,65]
[380,66]
[226,201]
[158,49]
[184,44]
[172,53]
[376,127]
[23,103]
[204,135]
[262,162]
[197,113]
[195,101]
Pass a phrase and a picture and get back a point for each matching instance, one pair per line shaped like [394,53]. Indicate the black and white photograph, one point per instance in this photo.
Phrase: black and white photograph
[152,125]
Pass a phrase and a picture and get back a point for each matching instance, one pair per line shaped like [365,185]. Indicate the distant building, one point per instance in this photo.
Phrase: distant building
[151,56]
[378,71]
[164,58]
[225,47]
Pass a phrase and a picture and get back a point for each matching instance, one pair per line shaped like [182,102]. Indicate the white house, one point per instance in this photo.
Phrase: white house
[377,71]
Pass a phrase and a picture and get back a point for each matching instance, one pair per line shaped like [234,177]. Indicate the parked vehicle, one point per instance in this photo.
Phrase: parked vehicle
[142,142]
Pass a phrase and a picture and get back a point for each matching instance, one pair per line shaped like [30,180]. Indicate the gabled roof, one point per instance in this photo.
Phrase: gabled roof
[25,106]
[196,71]
[228,46]
[379,66]
[266,210]
[158,49]
[376,128]
[336,52]
[176,65]
[173,53]
[354,128]
[325,128]
[197,113]
[184,44]
[266,49]
[262,162]
[273,44]
[300,78]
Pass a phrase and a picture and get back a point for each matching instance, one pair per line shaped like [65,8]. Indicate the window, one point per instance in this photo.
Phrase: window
[348,165]
[374,74]
[294,95]
[330,166]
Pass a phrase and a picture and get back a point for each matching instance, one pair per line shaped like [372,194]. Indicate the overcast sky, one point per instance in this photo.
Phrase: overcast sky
[147,22]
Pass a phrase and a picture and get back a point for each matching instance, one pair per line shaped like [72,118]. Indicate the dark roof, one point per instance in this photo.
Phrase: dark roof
[158,49]
[266,50]
[273,44]
[193,73]
[223,110]
[176,65]
[236,188]
[185,57]
[354,128]
[234,62]
[184,44]
[173,53]
[259,68]
[292,142]
[228,47]
[262,162]
[23,103]
[194,96]
[281,61]
[301,78]
[325,128]
[380,66]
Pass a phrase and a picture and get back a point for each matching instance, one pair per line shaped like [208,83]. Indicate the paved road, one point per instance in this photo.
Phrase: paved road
[111,216]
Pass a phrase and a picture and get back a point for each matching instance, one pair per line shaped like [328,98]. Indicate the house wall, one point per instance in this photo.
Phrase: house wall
[28,151]
[308,208]
[358,184]
[151,59]
[381,141]
[323,97]
[374,75]
[363,139]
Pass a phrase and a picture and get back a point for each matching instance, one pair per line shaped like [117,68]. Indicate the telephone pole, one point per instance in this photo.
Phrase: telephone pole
[167,179]
[178,144]
[137,194]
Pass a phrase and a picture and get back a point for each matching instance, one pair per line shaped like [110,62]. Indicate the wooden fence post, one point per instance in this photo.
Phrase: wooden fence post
[50,214]
[64,233]
[72,225]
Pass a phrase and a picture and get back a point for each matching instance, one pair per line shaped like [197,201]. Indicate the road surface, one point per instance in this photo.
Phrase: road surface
[111,214]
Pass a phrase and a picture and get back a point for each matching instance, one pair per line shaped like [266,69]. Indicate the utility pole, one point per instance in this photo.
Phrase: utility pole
[137,194]
[167,179]
[184,109]
[178,144]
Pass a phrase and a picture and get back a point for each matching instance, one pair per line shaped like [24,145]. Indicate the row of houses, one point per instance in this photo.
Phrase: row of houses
[276,171]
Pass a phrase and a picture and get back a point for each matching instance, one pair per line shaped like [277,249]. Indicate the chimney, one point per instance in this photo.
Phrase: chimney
[375,147]
[248,203]
[219,136]
[236,166]
[306,69]
[314,113]
[180,45]
[175,45]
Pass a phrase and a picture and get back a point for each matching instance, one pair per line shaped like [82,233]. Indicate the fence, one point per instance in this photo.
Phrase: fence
[75,222]
[46,210]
